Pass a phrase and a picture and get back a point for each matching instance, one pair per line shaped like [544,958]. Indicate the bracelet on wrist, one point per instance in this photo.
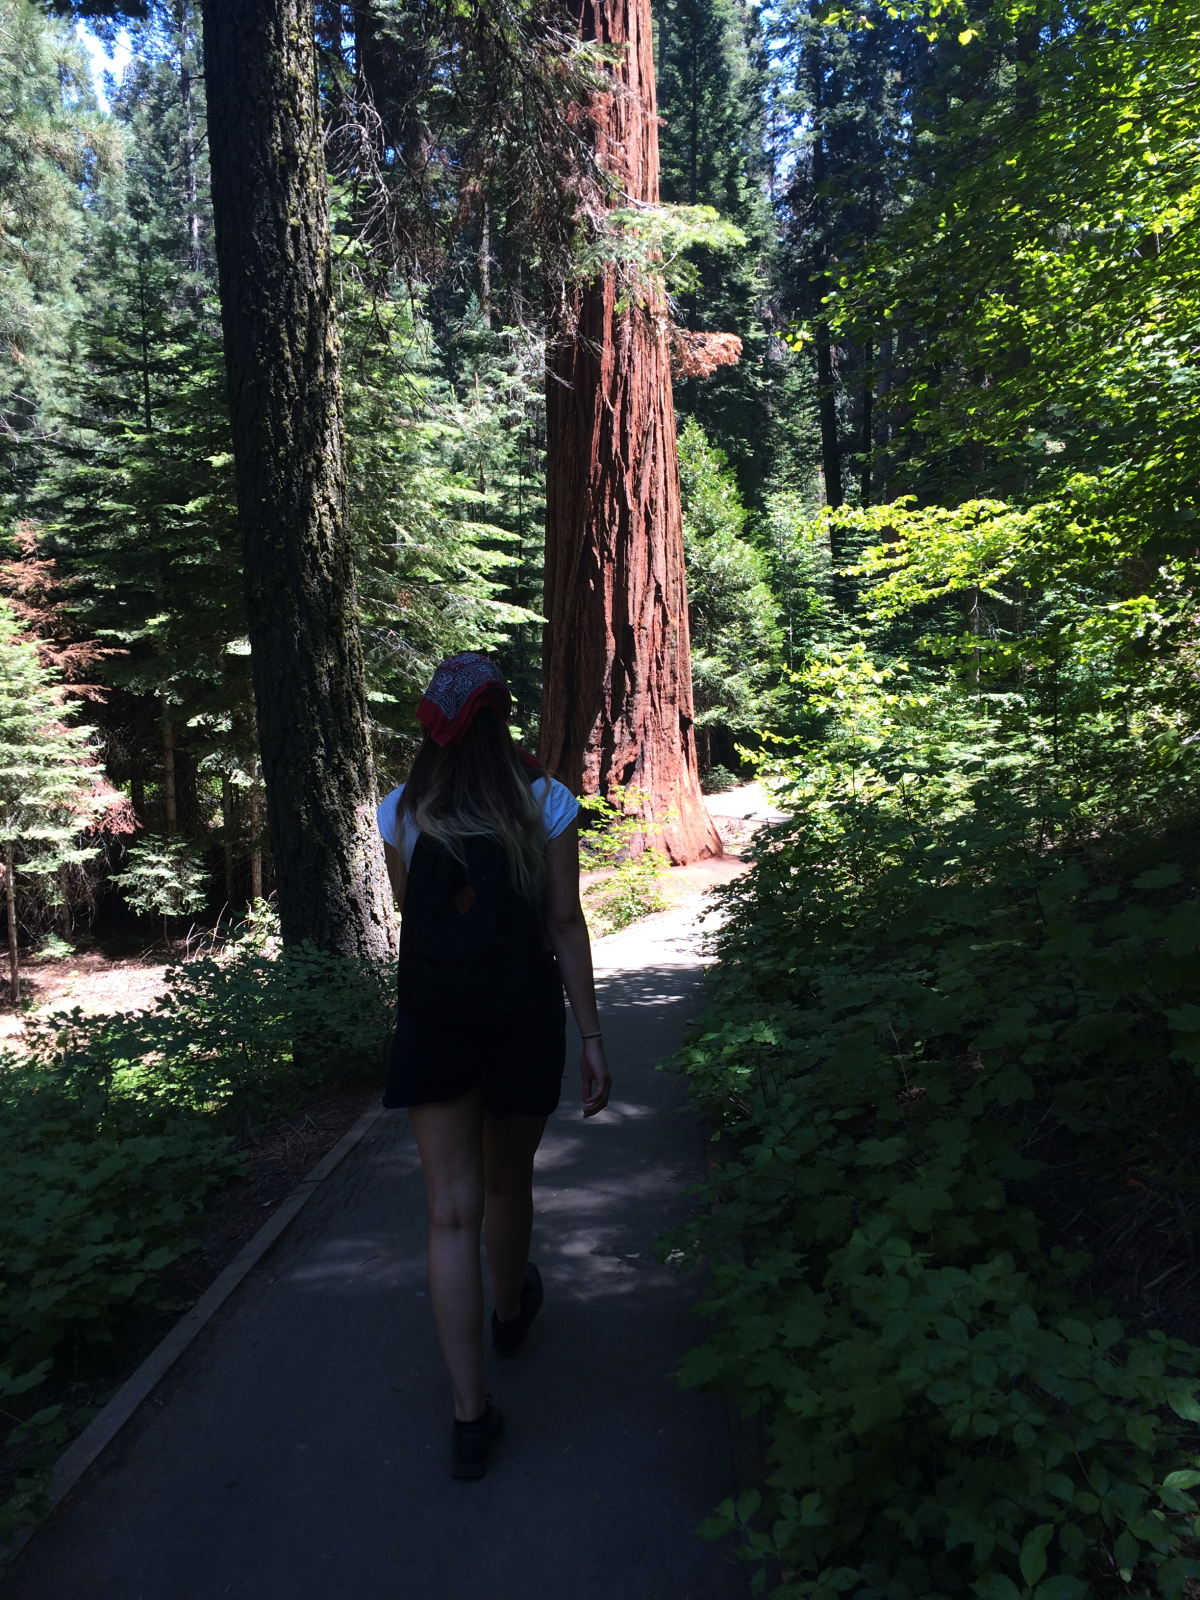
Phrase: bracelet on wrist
[597,1035]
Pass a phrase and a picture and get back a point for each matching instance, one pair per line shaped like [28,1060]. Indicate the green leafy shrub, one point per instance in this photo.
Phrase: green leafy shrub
[236,1037]
[93,1192]
[165,878]
[718,780]
[632,883]
[901,1004]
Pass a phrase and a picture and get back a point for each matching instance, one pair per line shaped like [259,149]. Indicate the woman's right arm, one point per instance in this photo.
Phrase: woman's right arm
[568,934]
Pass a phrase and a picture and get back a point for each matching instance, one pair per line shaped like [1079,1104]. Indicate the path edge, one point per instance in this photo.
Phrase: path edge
[104,1427]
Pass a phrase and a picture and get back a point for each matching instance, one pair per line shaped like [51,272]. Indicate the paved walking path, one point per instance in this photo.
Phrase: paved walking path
[299,1450]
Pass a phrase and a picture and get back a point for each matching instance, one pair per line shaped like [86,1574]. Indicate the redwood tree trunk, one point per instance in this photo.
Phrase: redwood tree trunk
[281,350]
[617,696]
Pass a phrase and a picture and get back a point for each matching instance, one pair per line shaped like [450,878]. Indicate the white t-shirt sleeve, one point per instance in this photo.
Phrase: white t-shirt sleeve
[559,806]
[388,818]
[385,816]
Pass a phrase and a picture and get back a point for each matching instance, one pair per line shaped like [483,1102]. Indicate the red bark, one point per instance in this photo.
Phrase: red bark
[617,697]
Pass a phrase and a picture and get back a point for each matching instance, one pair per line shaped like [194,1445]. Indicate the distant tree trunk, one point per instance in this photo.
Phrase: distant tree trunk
[166,725]
[256,864]
[65,920]
[170,797]
[831,449]
[183,15]
[867,434]
[281,349]
[14,957]
[227,839]
[617,697]
[485,265]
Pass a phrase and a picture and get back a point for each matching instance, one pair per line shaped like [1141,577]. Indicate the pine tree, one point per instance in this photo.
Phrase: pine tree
[711,88]
[140,509]
[53,148]
[444,511]
[735,637]
[47,771]
[499,381]
[140,503]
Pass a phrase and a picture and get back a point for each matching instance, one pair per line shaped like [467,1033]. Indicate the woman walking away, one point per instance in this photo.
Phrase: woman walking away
[483,855]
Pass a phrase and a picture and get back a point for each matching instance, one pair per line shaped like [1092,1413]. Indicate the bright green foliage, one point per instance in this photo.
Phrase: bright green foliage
[164,877]
[649,248]
[1022,628]
[730,607]
[46,766]
[630,885]
[1046,285]
[52,145]
[442,497]
[794,538]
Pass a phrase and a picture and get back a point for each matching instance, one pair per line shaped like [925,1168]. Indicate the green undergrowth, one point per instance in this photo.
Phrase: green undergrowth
[612,844]
[114,1128]
[907,1014]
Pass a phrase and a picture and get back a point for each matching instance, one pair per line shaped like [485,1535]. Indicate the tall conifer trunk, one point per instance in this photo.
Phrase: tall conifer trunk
[281,349]
[617,698]
[10,903]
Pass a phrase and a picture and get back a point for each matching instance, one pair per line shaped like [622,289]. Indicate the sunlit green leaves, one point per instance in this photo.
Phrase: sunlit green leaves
[646,247]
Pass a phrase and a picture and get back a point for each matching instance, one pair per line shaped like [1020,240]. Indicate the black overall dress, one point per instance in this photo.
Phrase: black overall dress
[480,996]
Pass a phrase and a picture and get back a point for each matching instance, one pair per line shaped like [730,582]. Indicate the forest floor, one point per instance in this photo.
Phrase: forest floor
[95,982]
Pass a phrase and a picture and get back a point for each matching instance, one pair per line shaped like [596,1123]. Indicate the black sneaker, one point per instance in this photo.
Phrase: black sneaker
[507,1337]
[472,1440]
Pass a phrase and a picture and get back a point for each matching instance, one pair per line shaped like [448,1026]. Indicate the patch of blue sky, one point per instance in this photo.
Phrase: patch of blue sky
[108,61]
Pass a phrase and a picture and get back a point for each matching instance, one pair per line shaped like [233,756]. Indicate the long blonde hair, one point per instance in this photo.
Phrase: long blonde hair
[480,788]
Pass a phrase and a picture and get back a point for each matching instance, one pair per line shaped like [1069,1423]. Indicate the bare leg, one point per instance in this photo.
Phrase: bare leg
[450,1139]
[509,1146]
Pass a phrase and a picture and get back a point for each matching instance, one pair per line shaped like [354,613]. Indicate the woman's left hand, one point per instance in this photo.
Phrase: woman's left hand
[597,1080]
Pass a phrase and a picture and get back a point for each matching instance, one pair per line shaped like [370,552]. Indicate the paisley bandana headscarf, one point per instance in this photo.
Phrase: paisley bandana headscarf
[460,687]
